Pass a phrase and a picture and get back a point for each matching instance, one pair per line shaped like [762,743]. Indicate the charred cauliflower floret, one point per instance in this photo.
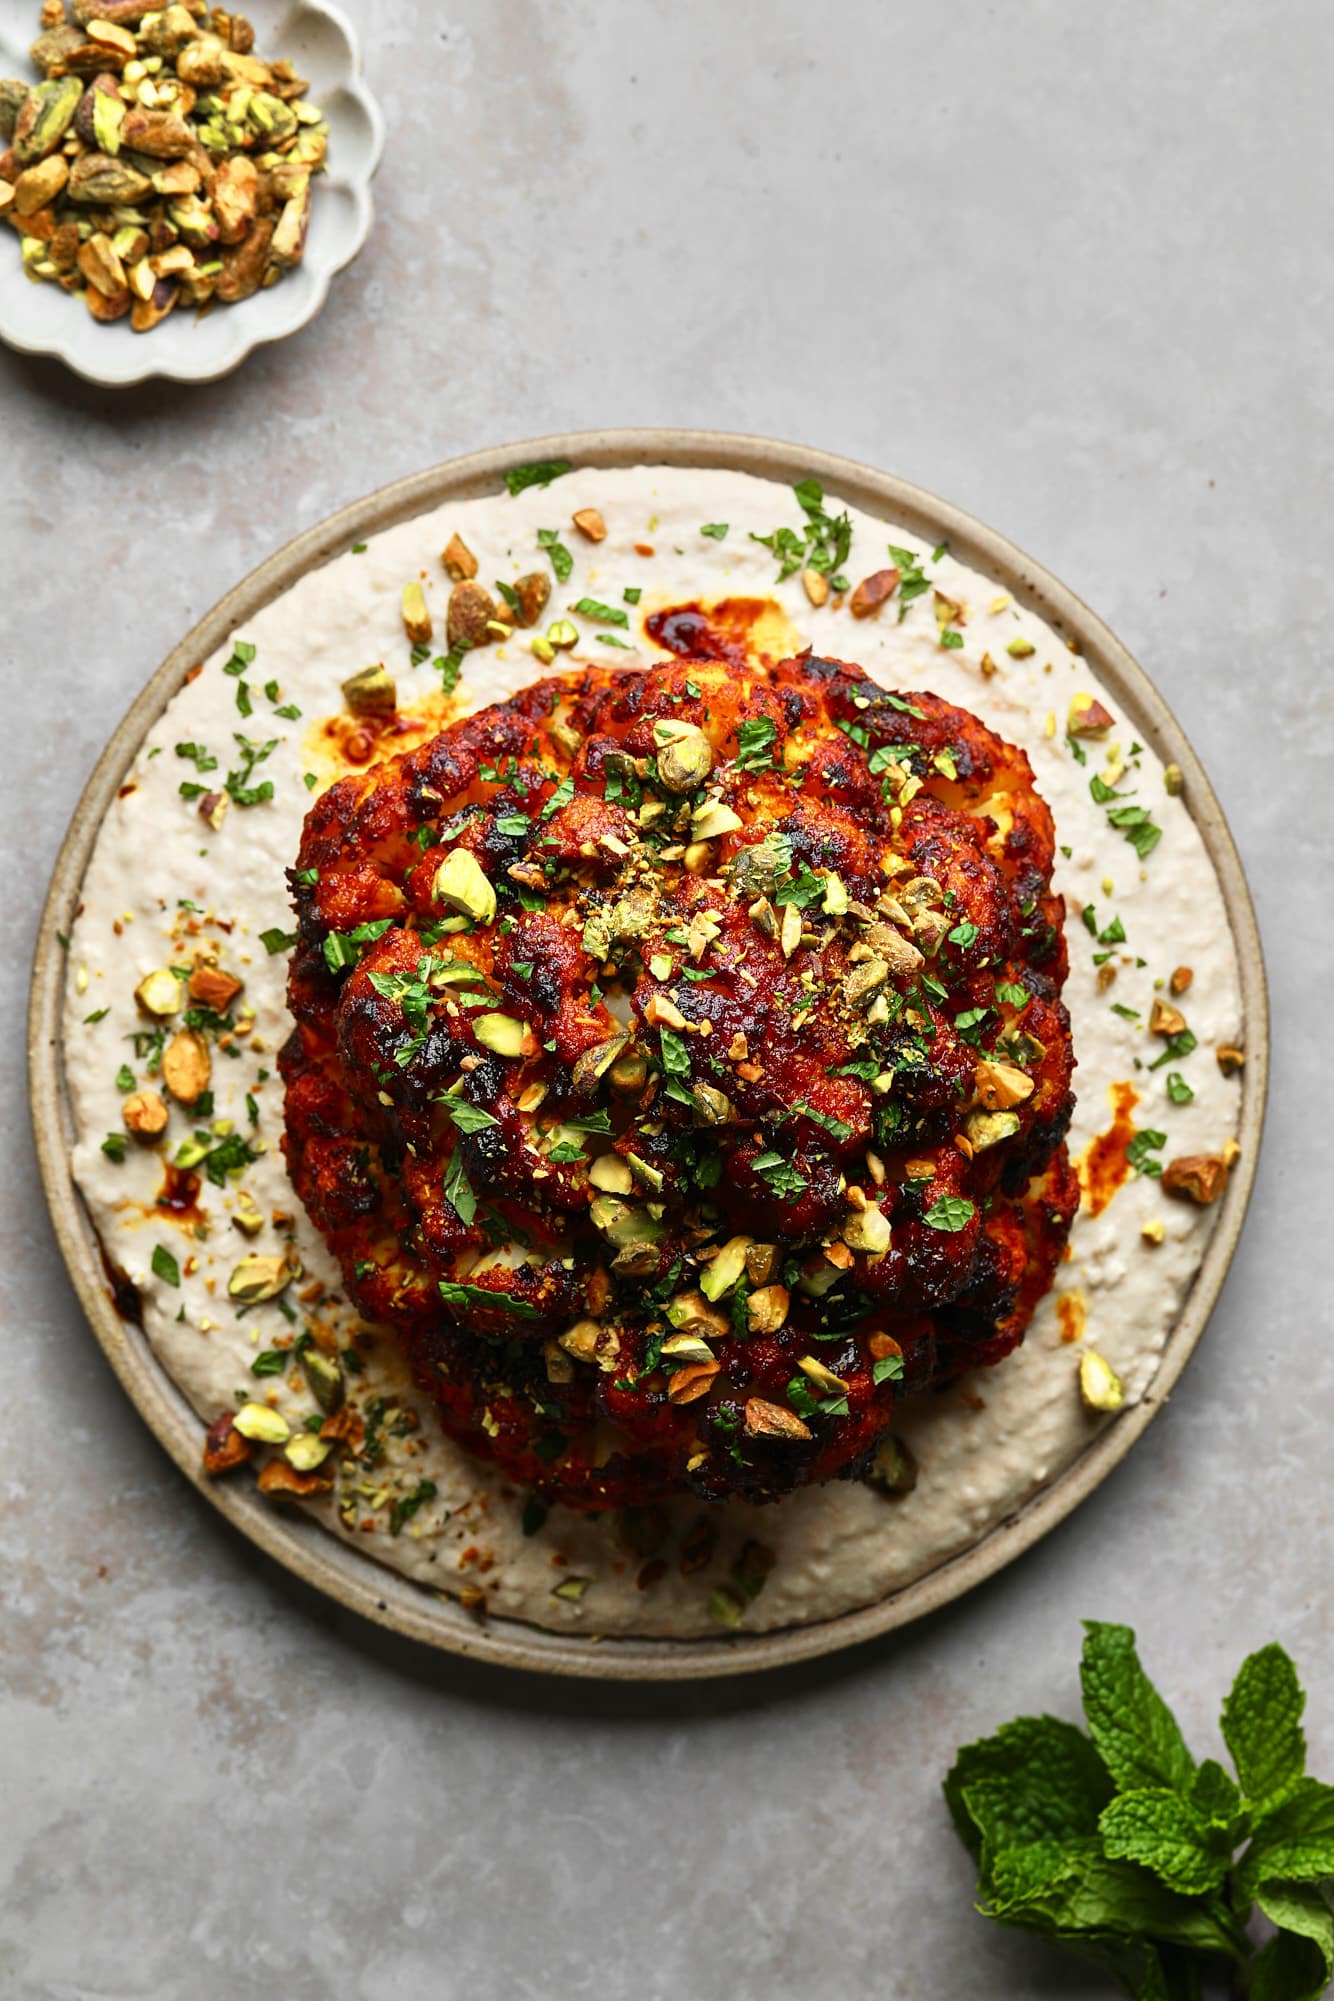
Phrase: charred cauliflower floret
[680,1068]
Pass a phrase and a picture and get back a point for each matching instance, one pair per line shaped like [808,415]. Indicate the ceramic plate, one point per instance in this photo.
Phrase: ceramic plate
[306,1549]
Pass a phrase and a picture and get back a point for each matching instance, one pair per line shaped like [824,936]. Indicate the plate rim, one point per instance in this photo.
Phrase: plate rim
[300,1545]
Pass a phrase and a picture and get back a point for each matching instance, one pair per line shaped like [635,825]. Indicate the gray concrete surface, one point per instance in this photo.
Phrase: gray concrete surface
[1066,265]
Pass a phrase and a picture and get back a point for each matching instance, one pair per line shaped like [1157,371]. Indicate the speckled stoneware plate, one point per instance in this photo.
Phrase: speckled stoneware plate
[41,319]
[306,1549]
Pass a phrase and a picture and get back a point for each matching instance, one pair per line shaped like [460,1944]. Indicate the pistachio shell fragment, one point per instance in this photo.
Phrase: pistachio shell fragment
[1099,1385]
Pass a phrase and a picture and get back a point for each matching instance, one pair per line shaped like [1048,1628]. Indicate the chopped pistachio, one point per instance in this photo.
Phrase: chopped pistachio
[460,564]
[463,885]
[562,635]
[324,1376]
[257,1421]
[1088,717]
[159,993]
[1174,781]
[986,1129]
[611,1174]
[307,1451]
[763,1419]
[145,1114]
[1099,1385]
[713,819]
[999,1085]
[257,1278]
[501,1033]
[593,1063]
[894,1469]
[692,1313]
[417,622]
[723,1271]
[685,755]
[687,1348]
[867,1230]
[371,692]
[621,1223]
[767,1309]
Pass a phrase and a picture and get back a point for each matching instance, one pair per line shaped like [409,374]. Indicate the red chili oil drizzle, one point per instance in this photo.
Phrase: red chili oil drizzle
[725,631]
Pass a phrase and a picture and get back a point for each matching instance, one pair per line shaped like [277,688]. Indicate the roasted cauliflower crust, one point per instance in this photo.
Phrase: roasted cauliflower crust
[749,1036]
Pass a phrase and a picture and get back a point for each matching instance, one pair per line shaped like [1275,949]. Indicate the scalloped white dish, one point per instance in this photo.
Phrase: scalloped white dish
[42,319]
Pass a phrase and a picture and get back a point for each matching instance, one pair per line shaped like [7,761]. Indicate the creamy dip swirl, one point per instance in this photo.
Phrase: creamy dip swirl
[164,885]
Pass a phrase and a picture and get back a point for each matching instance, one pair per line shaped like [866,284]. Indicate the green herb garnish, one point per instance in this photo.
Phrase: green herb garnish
[519,478]
[1118,1844]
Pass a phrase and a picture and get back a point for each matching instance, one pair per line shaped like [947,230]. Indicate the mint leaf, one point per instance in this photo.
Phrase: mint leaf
[1036,1777]
[1086,1893]
[1215,1797]
[1295,1841]
[1299,1963]
[164,1265]
[519,478]
[1262,1726]
[1164,1833]
[1128,1720]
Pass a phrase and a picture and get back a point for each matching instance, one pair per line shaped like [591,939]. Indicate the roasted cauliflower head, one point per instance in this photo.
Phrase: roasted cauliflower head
[680,1069]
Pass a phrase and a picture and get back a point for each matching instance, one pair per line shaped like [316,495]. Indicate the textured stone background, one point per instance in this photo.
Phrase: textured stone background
[1064,265]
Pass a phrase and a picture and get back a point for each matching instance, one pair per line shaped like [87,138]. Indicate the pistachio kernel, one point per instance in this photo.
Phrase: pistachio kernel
[159,993]
[257,1278]
[685,756]
[371,692]
[257,1421]
[417,623]
[1099,1385]
[501,1033]
[462,884]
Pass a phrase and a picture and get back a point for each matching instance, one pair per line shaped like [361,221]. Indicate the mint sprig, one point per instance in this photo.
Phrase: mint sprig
[1118,1843]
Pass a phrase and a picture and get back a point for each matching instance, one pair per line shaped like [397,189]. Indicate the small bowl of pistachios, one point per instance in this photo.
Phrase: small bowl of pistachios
[179,182]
